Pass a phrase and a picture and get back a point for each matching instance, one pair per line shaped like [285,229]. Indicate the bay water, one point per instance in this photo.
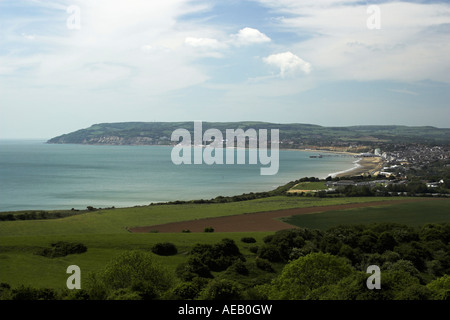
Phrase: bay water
[39,176]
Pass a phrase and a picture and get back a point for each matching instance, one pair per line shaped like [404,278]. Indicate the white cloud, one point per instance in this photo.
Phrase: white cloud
[203,43]
[288,63]
[28,36]
[245,36]
[410,46]
[137,42]
[248,36]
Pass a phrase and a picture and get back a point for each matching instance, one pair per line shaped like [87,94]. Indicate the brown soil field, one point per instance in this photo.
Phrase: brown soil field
[259,221]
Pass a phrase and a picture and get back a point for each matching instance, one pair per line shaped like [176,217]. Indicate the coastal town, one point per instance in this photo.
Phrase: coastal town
[403,170]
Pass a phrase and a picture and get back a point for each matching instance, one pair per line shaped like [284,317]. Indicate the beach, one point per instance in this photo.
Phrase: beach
[369,165]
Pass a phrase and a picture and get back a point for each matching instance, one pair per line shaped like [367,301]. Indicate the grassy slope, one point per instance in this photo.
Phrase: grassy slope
[18,264]
[310,186]
[116,220]
[105,236]
[413,214]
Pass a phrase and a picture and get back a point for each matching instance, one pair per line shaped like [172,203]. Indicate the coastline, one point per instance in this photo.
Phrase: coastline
[362,166]
[125,197]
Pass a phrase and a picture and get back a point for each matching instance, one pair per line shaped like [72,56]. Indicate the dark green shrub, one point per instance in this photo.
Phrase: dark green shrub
[264,265]
[194,267]
[131,272]
[248,240]
[208,229]
[268,239]
[221,290]
[239,267]
[62,249]
[185,291]
[164,249]
[270,253]
[29,293]
[219,256]
[189,290]
[253,249]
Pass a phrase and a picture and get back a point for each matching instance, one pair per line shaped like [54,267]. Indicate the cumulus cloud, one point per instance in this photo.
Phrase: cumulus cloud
[203,43]
[288,63]
[249,36]
[245,36]
[410,46]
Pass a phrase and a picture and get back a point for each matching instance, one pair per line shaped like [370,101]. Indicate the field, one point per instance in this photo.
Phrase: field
[106,232]
[309,186]
[116,221]
[412,214]
[261,221]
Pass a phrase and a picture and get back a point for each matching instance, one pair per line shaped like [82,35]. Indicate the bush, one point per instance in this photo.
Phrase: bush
[221,290]
[29,293]
[194,267]
[219,256]
[264,265]
[440,288]
[286,240]
[253,249]
[239,267]
[164,249]
[189,290]
[209,229]
[248,240]
[271,253]
[62,249]
[301,276]
[133,272]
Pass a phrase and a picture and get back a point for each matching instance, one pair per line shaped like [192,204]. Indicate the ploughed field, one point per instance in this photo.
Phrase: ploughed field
[264,221]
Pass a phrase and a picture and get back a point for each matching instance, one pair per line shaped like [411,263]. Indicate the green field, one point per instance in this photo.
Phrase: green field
[19,265]
[116,221]
[412,214]
[105,232]
[307,185]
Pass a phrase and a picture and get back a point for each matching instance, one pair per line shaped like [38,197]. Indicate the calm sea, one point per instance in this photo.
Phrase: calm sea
[36,175]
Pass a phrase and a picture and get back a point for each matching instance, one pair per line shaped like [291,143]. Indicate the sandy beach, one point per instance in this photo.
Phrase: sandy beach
[368,165]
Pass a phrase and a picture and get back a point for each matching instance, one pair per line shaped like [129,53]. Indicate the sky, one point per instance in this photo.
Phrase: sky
[65,65]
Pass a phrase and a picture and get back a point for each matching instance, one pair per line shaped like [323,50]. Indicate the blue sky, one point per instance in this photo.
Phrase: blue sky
[284,61]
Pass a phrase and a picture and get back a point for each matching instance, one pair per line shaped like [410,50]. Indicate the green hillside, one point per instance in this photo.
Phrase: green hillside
[150,133]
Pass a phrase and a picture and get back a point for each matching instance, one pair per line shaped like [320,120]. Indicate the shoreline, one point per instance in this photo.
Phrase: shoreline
[347,169]
[362,166]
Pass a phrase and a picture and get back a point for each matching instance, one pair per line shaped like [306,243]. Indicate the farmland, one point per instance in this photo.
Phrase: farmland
[106,232]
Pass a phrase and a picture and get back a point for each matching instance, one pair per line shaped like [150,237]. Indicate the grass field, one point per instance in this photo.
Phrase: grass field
[307,185]
[19,265]
[105,232]
[114,221]
[413,214]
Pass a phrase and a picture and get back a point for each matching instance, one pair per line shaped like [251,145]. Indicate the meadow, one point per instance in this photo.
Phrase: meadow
[308,185]
[105,232]
[412,214]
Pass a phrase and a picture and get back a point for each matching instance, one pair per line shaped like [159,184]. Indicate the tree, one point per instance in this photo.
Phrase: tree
[395,285]
[386,242]
[440,288]
[270,252]
[300,277]
[430,232]
[222,289]
[131,272]
[219,256]
[164,249]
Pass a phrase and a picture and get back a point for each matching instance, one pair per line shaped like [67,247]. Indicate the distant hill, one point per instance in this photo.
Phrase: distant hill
[295,135]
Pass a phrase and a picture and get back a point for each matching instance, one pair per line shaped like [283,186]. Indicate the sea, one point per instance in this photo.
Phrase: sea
[35,175]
